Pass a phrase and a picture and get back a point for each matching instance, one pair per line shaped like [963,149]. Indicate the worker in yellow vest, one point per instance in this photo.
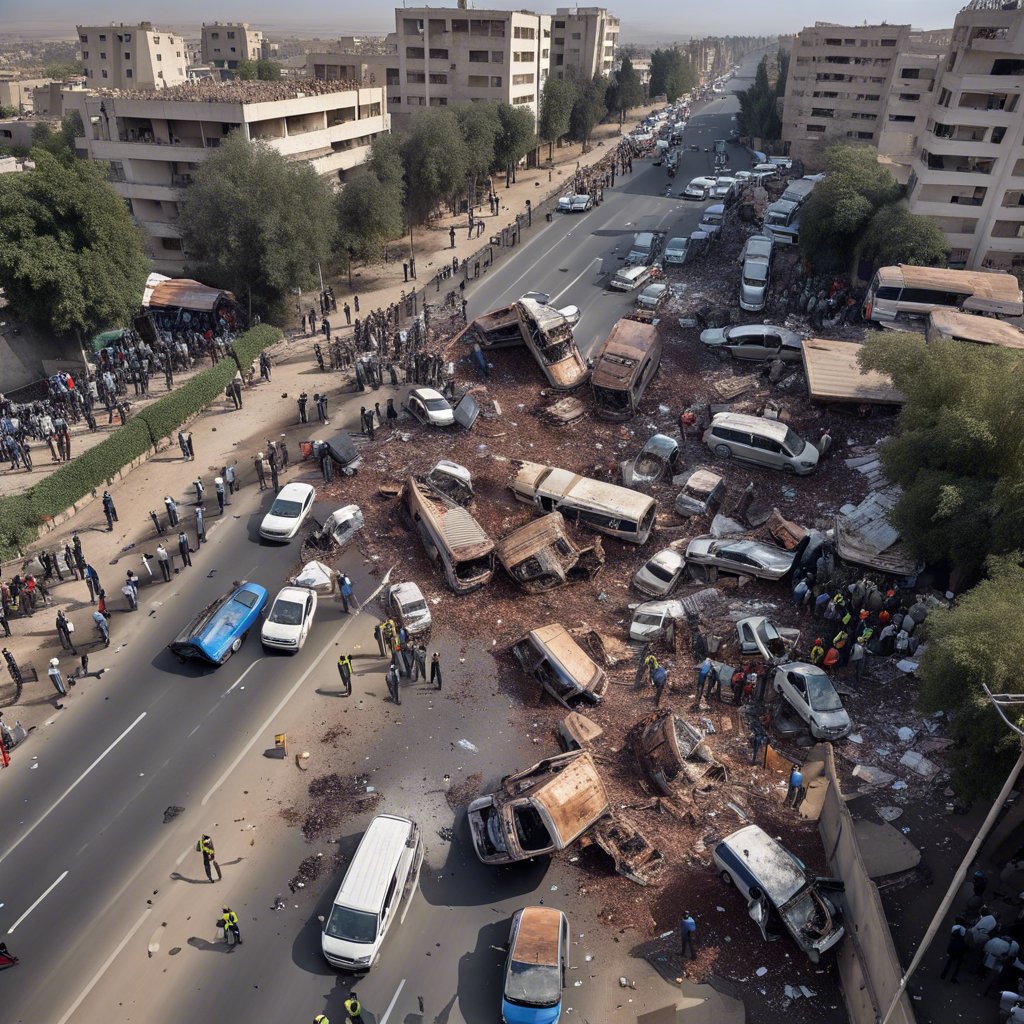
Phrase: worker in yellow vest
[353,1009]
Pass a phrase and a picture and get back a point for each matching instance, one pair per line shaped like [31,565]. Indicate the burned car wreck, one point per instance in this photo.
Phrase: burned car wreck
[674,755]
[540,555]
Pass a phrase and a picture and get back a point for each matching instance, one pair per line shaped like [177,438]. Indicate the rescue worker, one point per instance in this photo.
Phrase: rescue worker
[391,678]
[205,847]
[320,1019]
[345,671]
[354,1009]
[229,923]
[817,651]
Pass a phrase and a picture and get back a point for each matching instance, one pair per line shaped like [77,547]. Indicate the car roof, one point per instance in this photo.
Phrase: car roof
[294,490]
[426,393]
[365,883]
[633,271]
[769,428]
[756,269]
[668,556]
[714,208]
[405,592]
[293,594]
[537,937]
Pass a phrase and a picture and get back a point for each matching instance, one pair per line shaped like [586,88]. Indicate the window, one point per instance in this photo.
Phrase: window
[156,40]
[520,100]
[128,73]
[522,79]
[103,39]
[576,35]
[816,129]
[412,26]
[522,32]
[83,39]
[910,97]
[888,42]
[822,112]
[415,77]
[159,74]
[904,118]
[416,101]
[415,53]
[910,73]
[438,79]
[497,57]
[104,73]
[174,244]
[1008,66]
[215,35]
[438,54]
[495,81]
[998,134]
[478,56]
[524,56]
[159,56]
[127,56]
[85,55]
[559,24]
[103,56]
[438,101]
[231,35]
[477,81]
[460,24]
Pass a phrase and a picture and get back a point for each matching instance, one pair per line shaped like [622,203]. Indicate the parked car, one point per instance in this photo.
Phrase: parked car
[761,440]
[758,635]
[699,188]
[407,606]
[675,251]
[724,187]
[661,574]
[629,278]
[220,629]
[810,693]
[754,285]
[430,407]
[288,512]
[652,296]
[754,342]
[739,557]
[701,494]
[288,623]
[712,219]
[536,968]
[758,247]
[581,203]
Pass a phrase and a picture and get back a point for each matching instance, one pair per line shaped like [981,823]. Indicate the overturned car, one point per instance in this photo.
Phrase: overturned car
[674,755]
[540,555]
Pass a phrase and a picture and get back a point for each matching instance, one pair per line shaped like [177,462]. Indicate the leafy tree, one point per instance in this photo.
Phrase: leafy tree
[264,70]
[588,108]
[958,454]
[782,62]
[436,161]
[369,215]
[60,143]
[758,116]
[71,260]
[624,91]
[515,138]
[386,161]
[8,111]
[480,125]
[556,104]
[969,645]
[895,235]
[256,223]
[62,69]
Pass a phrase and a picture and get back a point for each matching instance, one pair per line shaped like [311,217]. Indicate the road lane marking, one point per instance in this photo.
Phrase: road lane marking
[69,790]
[554,298]
[83,995]
[391,1005]
[10,931]
[235,683]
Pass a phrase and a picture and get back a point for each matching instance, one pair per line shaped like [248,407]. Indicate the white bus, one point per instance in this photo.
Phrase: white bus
[906,291]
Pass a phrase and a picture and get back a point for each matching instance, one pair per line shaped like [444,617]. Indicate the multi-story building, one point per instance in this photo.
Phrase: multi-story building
[367,64]
[132,57]
[968,175]
[584,38]
[458,55]
[227,45]
[17,93]
[910,95]
[154,141]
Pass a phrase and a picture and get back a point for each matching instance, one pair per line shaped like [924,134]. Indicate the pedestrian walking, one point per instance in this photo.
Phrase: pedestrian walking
[956,950]
[103,626]
[64,630]
[206,848]
[131,590]
[346,593]
[435,669]
[796,782]
[391,678]
[92,581]
[378,635]
[172,510]
[186,558]
[229,478]
[345,671]
[182,445]
[57,677]
[354,1009]
[659,677]
[200,526]
[200,491]
[218,486]
[260,472]
[229,922]
[165,562]
[321,409]
[687,932]
[109,511]
[419,662]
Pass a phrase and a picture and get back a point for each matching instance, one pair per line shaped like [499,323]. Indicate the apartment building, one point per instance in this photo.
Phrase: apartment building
[132,57]
[227,45]
[18,93]
[153,141]
[968,175]
[584,38]
[454,56]
[910,96]
[367,64]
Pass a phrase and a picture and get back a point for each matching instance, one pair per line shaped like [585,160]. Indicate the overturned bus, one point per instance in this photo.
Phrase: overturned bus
[541,555]
[451,536]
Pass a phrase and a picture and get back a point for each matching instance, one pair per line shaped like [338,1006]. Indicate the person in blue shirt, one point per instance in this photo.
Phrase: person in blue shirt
[796,782]
[687,931]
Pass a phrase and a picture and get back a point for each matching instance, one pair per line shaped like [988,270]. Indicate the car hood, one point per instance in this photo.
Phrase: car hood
[713,336]
[416,620]
[280,631]
[441,418]
[833,721]
[513,1014]
[649,583]
[282,523]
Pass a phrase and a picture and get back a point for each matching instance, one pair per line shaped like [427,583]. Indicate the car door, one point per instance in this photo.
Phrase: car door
[564,948]
[417,409]
[749,345]
[760,912]
[795,689]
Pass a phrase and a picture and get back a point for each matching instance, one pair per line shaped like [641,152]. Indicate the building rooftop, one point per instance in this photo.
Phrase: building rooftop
[212,91]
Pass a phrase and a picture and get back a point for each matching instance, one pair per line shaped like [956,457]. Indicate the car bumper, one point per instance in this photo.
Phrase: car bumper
[280,643]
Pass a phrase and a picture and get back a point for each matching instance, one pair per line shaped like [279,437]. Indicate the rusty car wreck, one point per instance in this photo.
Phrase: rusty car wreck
[674,755]
[540,555]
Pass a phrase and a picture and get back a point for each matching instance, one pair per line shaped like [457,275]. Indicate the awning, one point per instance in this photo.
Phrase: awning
[182,293]
[106,338]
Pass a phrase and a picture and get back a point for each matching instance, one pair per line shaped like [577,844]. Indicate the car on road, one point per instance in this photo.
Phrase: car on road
[661,574]
[629,278]
[738,557]
[575,203]
[712,219]
[430,407]
[699,188]
[288,512]
[220,629]
[810,693]
[536,968]
[289,620]
[724,187]
[675,251]
[406,604]
[753,342]
[652,297]
[754,286]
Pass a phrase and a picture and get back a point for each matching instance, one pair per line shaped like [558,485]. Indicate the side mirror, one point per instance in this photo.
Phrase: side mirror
[320,918]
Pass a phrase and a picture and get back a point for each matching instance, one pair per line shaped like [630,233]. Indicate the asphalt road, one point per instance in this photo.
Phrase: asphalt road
[99,893]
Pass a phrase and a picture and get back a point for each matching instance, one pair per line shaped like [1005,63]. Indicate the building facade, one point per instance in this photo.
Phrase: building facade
[19,94]
[227,45]
[910,97]
[449,56]
[968,175]
[153,142]
[584,38]
[353,65]
[132,57]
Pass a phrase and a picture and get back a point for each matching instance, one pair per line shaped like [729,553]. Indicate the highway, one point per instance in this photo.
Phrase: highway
[101,892]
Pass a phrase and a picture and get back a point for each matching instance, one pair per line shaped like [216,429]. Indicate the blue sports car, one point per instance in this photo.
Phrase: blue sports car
[220,628]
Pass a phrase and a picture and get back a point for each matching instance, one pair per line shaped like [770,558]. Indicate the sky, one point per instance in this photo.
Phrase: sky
[650,21]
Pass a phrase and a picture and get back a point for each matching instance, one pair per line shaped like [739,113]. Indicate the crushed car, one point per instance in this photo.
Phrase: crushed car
[707,557]
[674,755]
[654,619]
[406,604]
[337,529]
[452,480]
[540,555]
[810,693]
[656,461]
[554,659]
[701,494]
[661,573]
[758,635]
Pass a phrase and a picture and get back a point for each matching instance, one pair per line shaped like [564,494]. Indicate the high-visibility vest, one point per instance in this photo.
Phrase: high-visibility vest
[205,846]
[352,1007]
[230,918]
[320,1019]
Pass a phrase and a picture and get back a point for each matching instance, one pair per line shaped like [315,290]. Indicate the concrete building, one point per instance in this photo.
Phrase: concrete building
[227,45]
[968,175]
[17,132]
[154,141]
[18,93]
[584,38]
[356,63]
[449,56]
[132,57]
[909,98]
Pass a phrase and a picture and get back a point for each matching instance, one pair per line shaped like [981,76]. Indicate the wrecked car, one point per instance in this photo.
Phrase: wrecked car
[538,811]
[452,480]
[810,693]
[624,366]
[701,494]
[753,342]
[652,619]
[552,657]
[782,895]
[338,528]
[657,460]
[631,852]
[708,556]
[541,555]
[660,575]
[757,635]
[673,754]
[406,604]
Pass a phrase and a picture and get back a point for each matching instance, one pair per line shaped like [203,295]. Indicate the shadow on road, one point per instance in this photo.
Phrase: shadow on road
[480,974]
[210,947]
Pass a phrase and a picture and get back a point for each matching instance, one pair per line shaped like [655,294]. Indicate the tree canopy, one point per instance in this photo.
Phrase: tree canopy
[895,235]
[71,259]
[958,453]
[256,223]
[369,215]
[264,70]
[436,161]
[515,137]
[671,74]
[556,104]
[624,90]
[588,108]
[758,116]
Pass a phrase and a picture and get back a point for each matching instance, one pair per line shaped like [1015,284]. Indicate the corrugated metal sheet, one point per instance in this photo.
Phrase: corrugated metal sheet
[834,375]
[182,293]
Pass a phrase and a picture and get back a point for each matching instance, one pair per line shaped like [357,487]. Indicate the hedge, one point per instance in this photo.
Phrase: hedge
[22,514]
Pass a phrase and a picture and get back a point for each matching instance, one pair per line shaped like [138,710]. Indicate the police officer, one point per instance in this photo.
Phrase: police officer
[200,525]
[205,847]
[345,671]
[391,677]
[172,510]
[186,558]
[354,1009]
[229,921]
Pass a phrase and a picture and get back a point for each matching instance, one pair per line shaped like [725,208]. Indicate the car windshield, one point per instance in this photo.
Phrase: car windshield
[247,598]
[287,613]
[756,273]
[647,619]
[533,984]
[821,694]
[351,925]
[286,509]
[436,404]
[414,606]
[794,443]
[660,572]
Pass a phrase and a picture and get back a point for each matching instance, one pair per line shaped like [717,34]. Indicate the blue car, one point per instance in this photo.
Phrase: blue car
[538,959]
[221,627]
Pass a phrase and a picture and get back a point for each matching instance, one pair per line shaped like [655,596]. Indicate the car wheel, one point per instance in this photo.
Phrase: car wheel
[726,877]
[236,644]
[723,451]
[787,467]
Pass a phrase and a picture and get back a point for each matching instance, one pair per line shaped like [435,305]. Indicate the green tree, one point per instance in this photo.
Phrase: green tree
[671,74]
[958,453]
[480,125]
[758,116]
[71,261]
[62,69]
[256,223]
[556,102]
[60,143]
[895,235]
[782,62]
[386,161]
[264,70]
[515,138]
[969,645]
[624,91]
[436,161]
[588,108]
[369,215]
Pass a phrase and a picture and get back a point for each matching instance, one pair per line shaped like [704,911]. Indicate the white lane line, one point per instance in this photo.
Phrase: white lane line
[103,970]
[586,269]
[261,731]
[10,931]
[69,790]
[236,682]
[391,1005]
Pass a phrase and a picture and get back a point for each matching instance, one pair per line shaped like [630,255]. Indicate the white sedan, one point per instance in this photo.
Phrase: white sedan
[287,625]
[430,407]
[288,513]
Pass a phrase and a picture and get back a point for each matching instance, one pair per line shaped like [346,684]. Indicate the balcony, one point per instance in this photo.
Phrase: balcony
[103,150]
[138,190]
[958,164]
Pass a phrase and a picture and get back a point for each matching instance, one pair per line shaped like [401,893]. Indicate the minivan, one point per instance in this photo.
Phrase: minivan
[381,877]
[711,222]
[561,666]
[765,442]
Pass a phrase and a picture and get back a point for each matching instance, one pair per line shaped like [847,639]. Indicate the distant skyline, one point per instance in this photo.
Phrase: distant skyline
[654,20]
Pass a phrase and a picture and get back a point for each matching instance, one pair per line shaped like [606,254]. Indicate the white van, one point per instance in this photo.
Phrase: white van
[380,879]
[757,439]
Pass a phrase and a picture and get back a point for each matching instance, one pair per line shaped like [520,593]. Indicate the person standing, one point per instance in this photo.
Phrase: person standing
[435,669]
[109,510]
[92,581]
[321,409]
[378,635]
[796,782]
[275,486]
[57,677]
[200,526]
[182,445]
[346,593]
[64,630]
[172,510]
[131,590]
[186,558]
[345,671]
[419,662]
[354,1009]
[230,925]
[703,672]
[229,479]
[391,678]
[687,932]
[206,848]
[659,677]
[218,486]
[260,473]
[165,562]
[103,626]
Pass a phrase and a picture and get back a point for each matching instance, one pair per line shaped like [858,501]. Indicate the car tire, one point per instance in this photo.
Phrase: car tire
[726,877]
[236,644]
[787,468]
[723,451]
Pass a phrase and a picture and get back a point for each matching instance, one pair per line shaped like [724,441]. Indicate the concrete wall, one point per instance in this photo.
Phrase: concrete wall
[868,965]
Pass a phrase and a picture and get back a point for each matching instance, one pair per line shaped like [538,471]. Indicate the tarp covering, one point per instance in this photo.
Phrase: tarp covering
[183,293]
